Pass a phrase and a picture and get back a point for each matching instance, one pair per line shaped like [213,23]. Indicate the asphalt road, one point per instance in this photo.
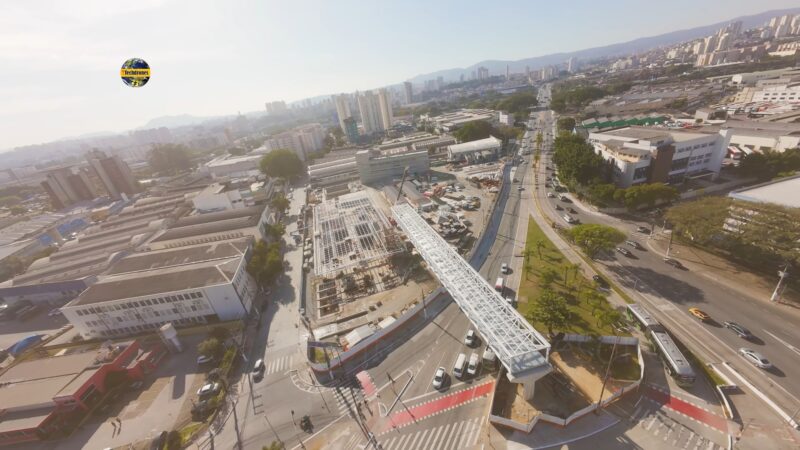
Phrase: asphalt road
[669,292]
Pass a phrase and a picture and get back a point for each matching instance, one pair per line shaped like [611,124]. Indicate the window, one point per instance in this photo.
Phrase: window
[161,300]
[148,302]
[156,313]
[119,319]
[79,312]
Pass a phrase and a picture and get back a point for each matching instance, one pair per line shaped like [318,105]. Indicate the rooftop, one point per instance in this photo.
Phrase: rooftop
[159,281]
[179,256]
[475,146]
[782,192]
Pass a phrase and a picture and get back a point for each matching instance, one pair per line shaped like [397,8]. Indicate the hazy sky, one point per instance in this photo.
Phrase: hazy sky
[60,60]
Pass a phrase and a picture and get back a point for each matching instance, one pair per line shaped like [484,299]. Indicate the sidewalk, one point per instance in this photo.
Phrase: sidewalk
[545,435]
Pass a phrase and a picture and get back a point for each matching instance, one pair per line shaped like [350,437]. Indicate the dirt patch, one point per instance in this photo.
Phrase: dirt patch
[586,375]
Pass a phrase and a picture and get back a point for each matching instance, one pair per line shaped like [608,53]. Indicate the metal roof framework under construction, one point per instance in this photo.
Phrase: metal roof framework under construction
[516,343]
[350,231]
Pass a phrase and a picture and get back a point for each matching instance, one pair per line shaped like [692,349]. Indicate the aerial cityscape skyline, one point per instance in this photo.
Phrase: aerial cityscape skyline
[82,46]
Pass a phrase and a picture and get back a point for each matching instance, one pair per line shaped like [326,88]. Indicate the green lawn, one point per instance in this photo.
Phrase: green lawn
[551,259]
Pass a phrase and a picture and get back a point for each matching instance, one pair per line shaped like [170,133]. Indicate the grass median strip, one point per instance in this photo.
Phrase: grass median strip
[546,268]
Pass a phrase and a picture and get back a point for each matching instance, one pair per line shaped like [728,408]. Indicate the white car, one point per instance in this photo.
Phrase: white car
[756,358]
[438,378]
[55,312]
[550,195]
[504,268]
[471,338]
[208,389]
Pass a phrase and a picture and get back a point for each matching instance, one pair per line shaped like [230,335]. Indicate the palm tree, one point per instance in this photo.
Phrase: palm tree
[574,268]
[539,245]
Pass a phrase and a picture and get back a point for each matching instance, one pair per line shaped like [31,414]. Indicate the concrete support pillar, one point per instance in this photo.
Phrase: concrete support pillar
[528,388]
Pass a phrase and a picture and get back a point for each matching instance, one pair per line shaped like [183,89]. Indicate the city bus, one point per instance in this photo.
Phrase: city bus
[678,366]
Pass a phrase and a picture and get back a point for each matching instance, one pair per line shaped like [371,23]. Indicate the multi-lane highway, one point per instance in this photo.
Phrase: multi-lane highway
[670,291]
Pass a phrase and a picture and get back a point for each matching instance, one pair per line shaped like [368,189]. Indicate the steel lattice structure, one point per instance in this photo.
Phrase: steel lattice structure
[517,344]
[349,231]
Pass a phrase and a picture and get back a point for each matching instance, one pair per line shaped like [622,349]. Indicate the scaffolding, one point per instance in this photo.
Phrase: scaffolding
[515,342]
[349,231]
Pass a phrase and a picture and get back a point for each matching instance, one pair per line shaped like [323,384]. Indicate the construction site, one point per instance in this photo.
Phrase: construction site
[362,274]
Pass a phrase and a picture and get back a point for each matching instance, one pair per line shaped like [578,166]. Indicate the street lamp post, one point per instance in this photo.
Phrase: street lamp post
[273,431]
[776,294]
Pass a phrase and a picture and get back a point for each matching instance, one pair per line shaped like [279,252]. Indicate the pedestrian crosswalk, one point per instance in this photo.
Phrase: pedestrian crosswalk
[349,397]
[451,436]
[670,431]
[278,365]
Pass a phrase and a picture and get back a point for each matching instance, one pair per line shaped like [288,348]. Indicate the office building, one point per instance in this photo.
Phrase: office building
[376,165]
[114,174]
[66,186]
[351,130]
[370,109]
[782,93]
[647,155]
[385,104]
[343,112]
[204,283]
[408,88]
[301,140]
[483,73]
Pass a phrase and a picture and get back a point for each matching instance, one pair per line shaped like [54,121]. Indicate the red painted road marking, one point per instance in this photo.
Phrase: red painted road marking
[366,383]
[419,412]
[687,408]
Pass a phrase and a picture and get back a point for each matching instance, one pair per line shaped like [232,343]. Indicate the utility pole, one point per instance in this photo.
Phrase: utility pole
[669,246]
[273,431]
[776,294]
[402,183]
[605,378]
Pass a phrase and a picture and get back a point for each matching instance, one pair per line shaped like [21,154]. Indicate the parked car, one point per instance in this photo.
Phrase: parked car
[208,390]
[674,263]
[644,230]
[203,359]
[55,312]
[740,331]
[625,251]
[471,338]
[634,244]
[438,378]
[504,268]
[550,195]
[559,207]
[565,199]
[569,219]
[755,358]
[572,210]
[700,314]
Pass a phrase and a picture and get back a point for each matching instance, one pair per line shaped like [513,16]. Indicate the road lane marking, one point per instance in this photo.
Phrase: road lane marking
[441,436]
[456,436]
[788,345]
[413,443]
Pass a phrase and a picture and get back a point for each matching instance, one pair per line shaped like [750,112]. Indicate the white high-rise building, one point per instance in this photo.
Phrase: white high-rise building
[369,106]
[385,104]
[342,103]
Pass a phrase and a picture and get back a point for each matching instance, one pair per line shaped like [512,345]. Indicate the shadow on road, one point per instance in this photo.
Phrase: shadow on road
[651,282]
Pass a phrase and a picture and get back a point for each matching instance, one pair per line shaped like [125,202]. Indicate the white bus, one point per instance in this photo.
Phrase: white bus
[677,364]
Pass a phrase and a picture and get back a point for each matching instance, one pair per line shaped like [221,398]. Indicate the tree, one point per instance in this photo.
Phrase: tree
[593,238]
[767,165]
[279,202]
[539,246]
[700,221]
[608,317]
[281,163]
[169,158]
[551,310]
[574,268]
[219,333]
[211,348]
[601,194]
[17,210]
[173,441]
[274,445]
[577,160]
[266,262]
[473,131]
[274,231]
[548,276]
[11,266]
[648,195]
[565,124]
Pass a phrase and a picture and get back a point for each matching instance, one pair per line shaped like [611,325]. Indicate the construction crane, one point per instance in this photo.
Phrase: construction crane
[402,183]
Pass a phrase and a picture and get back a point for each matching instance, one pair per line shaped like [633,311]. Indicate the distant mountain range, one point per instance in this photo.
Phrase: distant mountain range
[497,67]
